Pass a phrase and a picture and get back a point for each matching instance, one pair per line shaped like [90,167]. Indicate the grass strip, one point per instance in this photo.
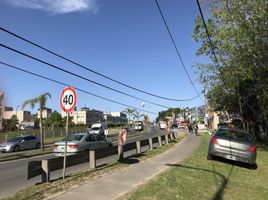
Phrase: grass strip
[196,178]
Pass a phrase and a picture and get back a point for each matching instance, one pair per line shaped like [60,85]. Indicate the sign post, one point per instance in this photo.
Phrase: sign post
[121,143]
[68,100]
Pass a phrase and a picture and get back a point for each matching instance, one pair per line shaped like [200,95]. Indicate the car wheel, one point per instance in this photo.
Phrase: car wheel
[16,148]
[38,145]
[209,157]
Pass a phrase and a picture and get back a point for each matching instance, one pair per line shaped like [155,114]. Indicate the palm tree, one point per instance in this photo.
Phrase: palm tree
[137,115]
[41,100]
[129,112]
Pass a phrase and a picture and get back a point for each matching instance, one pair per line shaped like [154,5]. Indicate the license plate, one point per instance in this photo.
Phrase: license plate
[230,157]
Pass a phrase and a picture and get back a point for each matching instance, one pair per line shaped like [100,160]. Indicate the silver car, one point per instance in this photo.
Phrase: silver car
[80,142]
[232,144]
[20,143]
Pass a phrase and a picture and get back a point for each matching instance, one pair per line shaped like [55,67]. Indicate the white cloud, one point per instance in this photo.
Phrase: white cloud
[57,6]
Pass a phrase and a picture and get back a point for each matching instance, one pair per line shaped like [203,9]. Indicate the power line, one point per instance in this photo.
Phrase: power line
[93,71]
[65,84]
[175,46]
[81,77]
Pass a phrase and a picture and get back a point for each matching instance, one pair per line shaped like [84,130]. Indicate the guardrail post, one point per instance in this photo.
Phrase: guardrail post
[92,159]
[138,146]
[159,141]
[171,136]
[151,143]
[166,139]
[120,152]
[45,171]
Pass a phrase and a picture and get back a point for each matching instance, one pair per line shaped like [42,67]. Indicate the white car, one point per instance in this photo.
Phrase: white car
[80,142]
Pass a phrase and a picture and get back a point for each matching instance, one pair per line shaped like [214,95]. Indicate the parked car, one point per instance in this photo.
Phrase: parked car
[233,144]
[98,129]
[20,143]
[139,126]
[80,142]
[27,128]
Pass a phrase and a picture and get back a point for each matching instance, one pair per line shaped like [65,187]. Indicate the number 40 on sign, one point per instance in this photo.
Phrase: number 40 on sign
[68,99]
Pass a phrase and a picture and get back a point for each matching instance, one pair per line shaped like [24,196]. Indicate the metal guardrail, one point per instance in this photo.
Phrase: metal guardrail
[44,167]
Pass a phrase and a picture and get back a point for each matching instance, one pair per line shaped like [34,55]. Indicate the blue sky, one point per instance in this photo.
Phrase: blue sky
[123,39]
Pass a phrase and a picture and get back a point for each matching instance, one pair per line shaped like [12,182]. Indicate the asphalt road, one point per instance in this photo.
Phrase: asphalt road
[13,174]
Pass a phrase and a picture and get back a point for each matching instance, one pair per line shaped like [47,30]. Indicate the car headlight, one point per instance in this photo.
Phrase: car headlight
[8,147]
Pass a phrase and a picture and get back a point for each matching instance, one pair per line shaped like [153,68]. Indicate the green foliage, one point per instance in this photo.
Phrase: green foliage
[10,124]
[54,120]
[168,113]
[236,81]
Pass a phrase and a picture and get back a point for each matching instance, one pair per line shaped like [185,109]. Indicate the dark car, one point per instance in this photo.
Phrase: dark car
[232,144]
[20,143]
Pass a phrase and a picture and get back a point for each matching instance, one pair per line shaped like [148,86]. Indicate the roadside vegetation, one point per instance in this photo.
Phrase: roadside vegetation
[235,76]
[197,178]
[48,190]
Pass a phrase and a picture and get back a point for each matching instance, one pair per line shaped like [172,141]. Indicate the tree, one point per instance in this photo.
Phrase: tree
[146,118]
[54,120]
[129,112]
[236,80]
[41,101]
[10,124]
[137,114]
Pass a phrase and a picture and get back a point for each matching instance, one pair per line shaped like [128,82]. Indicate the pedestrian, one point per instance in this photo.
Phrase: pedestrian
[189,127]
[196,129]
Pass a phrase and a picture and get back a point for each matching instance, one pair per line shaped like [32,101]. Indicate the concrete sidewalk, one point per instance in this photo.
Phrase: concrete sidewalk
[116,184]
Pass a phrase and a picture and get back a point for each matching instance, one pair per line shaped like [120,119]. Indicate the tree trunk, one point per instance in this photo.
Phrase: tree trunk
[41,131]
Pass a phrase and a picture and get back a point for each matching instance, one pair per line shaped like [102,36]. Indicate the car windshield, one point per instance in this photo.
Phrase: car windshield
[14,139]
[74,137]
[95,128]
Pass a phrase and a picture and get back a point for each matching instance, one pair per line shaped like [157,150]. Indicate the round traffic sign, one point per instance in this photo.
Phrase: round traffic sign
[68,99]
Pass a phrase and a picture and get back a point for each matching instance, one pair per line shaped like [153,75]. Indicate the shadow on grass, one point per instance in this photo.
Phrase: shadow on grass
[219,194]
[235,163]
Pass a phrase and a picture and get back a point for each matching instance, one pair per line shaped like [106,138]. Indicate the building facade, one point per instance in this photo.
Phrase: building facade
[119,117]
[46,113]
[22,116]
[85,116]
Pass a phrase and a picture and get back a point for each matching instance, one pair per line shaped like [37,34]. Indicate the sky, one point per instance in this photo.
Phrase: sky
[123,39]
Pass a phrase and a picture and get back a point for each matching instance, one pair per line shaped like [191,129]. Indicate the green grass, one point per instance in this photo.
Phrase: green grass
[43,191]
[198,178]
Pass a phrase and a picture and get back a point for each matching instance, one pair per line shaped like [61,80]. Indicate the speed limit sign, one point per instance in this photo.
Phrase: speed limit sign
[68,99]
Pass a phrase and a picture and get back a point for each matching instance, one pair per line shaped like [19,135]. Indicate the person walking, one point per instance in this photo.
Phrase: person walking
[196,129]
[190,129]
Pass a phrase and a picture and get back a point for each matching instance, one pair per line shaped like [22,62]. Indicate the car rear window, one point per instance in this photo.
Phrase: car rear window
[74,137]
[233,135]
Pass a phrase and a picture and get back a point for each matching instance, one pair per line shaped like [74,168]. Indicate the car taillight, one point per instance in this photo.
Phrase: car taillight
[213,140]
[55,146]
[252,148]
[73,146]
